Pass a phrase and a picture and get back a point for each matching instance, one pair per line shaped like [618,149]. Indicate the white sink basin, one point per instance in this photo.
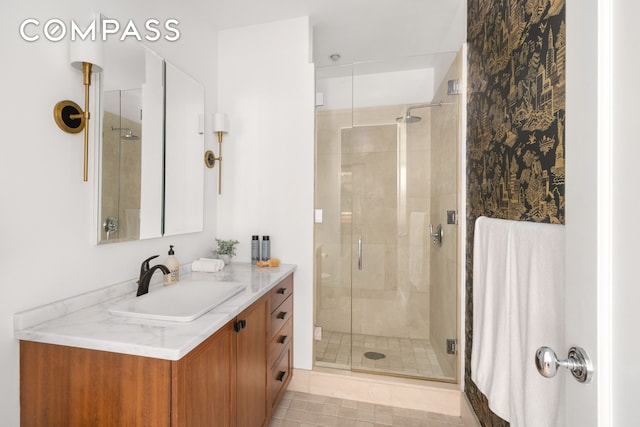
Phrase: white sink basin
[182,302]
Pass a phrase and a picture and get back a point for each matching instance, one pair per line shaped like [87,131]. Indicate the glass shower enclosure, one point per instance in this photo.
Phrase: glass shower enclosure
[387,138]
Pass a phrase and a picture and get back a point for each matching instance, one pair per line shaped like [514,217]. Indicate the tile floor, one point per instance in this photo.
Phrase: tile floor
[309,410]
[404,356]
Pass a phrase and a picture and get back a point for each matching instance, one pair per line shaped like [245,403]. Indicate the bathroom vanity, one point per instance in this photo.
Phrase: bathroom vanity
[84,366]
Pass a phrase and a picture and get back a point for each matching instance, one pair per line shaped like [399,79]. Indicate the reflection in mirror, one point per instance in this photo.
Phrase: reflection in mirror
[130,166]
[150,158]
[122,135]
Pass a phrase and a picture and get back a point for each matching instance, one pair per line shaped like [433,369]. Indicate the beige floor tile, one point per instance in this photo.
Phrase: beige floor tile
[331,409]
[383,418]
[346,412]
[294,415]
[306,410]
[366,415]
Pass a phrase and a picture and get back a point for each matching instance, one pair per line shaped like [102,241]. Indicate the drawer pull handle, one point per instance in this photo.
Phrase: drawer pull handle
[281,375]
[282,315]
[281,291]
[240,325]
[282,339]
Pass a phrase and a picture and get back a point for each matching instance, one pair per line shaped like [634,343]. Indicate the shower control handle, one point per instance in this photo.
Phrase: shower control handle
[436,235]
[110,226]
[360,253]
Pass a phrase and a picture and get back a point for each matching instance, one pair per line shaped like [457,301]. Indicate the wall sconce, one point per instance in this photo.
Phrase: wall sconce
[220,126]
[85,55]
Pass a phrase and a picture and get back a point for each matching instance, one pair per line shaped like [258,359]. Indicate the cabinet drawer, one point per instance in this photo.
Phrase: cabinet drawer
[280,316]
[280,340]
[280,376]
[281,292]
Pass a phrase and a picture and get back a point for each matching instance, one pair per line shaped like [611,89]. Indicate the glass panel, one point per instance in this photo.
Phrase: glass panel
[396,151]
[445,143]
[405,164]
[333,233]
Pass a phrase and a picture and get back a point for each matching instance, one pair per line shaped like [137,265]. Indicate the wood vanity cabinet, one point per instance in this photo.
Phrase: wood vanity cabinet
[202,383]
[233,378]
[68,386]
[280,359]
[222,381]
[251,366]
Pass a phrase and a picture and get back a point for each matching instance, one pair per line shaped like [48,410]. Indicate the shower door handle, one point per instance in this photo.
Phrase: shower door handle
[360,253]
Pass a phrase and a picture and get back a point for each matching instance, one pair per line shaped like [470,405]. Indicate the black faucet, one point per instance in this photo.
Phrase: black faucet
[145,275]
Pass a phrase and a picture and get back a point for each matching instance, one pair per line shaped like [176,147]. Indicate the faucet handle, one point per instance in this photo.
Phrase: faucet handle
[145,265]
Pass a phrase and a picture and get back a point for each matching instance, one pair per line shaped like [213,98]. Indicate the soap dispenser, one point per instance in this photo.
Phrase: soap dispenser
[174,267]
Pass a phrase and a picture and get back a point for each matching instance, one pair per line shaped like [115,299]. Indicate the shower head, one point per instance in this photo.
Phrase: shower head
[408,118]
[129,136]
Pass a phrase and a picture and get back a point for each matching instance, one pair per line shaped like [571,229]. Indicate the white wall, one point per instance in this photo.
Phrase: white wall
[46,224]
[266,86]
[625,208]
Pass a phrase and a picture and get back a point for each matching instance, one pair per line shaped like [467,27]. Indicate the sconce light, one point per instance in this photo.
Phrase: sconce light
[85,55]
[220,126]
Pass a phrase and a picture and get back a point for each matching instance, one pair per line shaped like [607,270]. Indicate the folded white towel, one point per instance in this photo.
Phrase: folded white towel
[207,265]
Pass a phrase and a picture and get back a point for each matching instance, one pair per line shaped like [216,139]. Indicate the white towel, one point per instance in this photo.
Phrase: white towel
[207,265]
[537,311]
[518,290]
[489,355]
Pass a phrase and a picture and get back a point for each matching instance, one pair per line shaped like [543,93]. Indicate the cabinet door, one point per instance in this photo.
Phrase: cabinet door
[203,383]
[251,364]
[68,386]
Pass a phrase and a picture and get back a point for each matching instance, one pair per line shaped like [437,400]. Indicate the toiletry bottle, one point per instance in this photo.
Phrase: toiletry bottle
[266,248]
[174,266]
[255,250]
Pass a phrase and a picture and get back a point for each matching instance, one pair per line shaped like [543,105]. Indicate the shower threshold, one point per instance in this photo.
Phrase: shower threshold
[404,357]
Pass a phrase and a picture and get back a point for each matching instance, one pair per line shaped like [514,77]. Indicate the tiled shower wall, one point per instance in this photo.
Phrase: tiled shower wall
[515,128]
[357,175]
[386,181]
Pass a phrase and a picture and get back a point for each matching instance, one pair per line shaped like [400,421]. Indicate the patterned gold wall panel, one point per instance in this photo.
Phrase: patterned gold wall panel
[515,127]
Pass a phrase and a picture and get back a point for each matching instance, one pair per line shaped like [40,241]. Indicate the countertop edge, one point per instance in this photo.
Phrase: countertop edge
[46,324]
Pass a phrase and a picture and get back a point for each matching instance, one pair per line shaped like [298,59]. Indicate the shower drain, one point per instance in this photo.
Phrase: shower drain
[374,355]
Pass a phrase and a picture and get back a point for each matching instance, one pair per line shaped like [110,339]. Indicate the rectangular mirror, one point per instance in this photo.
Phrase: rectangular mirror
[150,154]
[184,153]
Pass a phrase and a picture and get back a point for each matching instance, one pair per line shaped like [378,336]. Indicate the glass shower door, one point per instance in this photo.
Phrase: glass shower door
[390,272]
[386,296]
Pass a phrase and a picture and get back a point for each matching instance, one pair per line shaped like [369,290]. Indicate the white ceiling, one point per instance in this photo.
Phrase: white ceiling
[359,30]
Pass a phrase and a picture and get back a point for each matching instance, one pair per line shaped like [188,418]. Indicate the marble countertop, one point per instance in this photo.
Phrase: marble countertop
[84,321]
